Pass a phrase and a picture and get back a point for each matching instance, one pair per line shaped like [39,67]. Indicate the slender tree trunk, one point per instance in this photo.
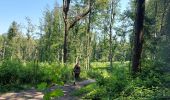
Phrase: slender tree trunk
[163,17]
[112,15]
[88,44]
[138,39]
[62,56]
[65,43]
[89,37]
[155,32]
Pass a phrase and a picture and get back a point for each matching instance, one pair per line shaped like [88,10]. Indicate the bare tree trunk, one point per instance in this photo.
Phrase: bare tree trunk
[87,64]
[112,15]
[89,38]
[66,4]
[138,39]
[65,43]
[155,31]
[161,30]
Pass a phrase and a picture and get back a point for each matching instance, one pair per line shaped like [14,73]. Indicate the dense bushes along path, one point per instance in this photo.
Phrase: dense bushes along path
[34,94]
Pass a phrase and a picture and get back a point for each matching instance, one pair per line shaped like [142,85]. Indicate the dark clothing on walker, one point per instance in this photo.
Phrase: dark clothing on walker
[76,71]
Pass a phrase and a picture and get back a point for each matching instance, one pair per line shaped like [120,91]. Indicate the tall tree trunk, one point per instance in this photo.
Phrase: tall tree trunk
[163,18]
[112,15]
[89,37]
[65,42]
[138,39]
[66,4]
[153,57]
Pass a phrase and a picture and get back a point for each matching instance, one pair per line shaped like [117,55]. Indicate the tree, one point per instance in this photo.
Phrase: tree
[12,49]
[13,30]
[156,42]
[67,26]
[29,45]
[50,42]
[138,38]
[112,16]
[2,46]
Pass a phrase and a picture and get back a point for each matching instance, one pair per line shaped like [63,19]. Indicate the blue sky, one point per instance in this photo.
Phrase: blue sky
[18,10]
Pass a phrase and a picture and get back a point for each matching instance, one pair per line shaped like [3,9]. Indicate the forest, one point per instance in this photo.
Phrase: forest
[123,55]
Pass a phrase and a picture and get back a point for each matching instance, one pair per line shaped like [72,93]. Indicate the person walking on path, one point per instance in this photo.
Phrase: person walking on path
[76,72]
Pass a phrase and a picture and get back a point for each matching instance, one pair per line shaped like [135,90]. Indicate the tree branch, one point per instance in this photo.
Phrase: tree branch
[78,17]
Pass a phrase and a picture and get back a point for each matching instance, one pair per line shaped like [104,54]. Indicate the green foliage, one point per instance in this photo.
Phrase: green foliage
[18,72]
[133,91]
[42,86]
[96,94]
[48,95]
[10,72]
[93,74]
[117,84]
[56,93]
[28,60]
[107,84]
[53,94]
[13,30]
[85,90]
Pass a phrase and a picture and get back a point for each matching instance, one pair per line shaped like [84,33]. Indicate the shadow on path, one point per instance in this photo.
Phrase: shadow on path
[35,95]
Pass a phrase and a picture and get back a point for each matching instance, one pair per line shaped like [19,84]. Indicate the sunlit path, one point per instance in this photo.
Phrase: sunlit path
[36,95]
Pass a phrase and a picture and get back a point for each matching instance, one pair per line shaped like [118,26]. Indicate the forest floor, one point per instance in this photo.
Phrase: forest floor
[33,94]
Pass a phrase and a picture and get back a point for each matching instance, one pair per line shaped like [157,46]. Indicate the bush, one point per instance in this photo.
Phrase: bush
[17,72]
[110,84]
[9,72]
[117,83]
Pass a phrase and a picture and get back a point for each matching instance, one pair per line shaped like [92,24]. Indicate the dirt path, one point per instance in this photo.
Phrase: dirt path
[32,94]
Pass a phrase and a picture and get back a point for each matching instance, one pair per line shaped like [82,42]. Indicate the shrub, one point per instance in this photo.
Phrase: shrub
[9,72]
[17,72]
